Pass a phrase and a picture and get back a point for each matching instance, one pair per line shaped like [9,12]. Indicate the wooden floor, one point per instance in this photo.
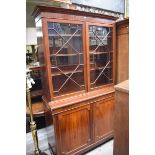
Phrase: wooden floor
[43,134]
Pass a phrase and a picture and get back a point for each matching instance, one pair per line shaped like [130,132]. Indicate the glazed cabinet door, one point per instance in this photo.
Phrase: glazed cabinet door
[74,130]
[103,118]
[66,49]
[100,54]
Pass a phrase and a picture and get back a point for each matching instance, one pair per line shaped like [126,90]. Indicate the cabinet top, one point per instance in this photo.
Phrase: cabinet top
[123,22]
[123,86]
[80,98]
[39,9]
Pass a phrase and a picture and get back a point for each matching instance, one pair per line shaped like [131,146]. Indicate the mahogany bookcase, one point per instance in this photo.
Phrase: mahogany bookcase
[77,58]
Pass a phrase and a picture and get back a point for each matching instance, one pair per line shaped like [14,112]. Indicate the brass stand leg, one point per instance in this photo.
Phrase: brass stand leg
[32,123]
[35,137]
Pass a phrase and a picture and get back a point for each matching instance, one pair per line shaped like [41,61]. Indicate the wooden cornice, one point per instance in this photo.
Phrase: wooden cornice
[40,9]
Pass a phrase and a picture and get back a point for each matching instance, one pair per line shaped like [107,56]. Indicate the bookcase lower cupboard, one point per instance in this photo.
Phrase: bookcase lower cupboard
[83,123]
[77,59]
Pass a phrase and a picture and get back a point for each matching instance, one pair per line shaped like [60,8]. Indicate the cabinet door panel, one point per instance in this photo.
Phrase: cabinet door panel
[67,57]
[103,117]
[74,129]
[101,54]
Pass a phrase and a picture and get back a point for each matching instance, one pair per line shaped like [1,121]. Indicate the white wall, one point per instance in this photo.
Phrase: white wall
[113,5]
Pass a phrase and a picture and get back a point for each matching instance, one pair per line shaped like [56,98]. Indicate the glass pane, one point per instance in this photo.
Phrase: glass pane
[66,49]
[100,48]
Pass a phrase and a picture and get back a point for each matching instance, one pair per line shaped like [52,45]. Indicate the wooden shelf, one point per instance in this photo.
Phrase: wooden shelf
[91,52]
[67,65]
[67,72]
[99,37]
[65,35]
[54,67]
[98,68]
[67,69]
[66,55]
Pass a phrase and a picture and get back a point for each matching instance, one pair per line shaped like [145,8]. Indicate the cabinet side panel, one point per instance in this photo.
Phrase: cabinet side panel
[122,52]
[121,124]
[42,60]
